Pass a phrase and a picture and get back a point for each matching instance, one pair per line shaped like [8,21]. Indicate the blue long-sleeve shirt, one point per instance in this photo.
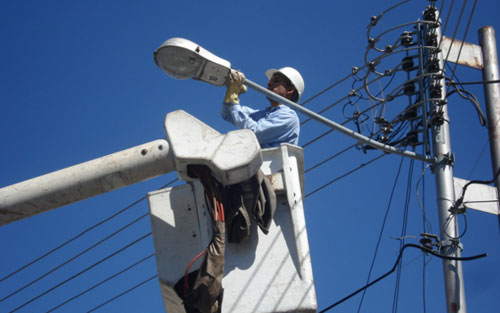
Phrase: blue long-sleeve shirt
[272,126]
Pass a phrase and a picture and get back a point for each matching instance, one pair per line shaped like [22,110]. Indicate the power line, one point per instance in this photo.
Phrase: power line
[331,157]
[80,234]
[330,87]
[101,282]
[82,272]
[408,245]
[123,293]
[484,82]
[381,231]
[74,257]
[465,34]
[344,175]
[403,235]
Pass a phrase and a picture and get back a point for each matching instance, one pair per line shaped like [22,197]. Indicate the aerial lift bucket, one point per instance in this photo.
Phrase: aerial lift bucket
[265,273]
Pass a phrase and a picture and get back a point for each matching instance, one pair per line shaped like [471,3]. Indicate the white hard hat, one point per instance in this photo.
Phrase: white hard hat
[293,76]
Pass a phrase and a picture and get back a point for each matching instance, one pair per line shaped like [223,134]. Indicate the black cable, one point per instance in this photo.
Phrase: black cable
[123,293]
[408,245]
[79,235]
[343,123]
[460,200]
[344,175]
[331,157]
[101,282]
[331,86]
[465,35]
[81,272]
[340,100]
[379,240]
[483,82]
[74,257]
[403,235]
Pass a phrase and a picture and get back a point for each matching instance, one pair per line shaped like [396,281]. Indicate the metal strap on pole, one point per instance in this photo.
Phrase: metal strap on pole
[336,126]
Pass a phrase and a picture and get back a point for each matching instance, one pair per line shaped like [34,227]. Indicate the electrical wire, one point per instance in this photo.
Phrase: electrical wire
[464,37]
[379,240]
[331,86]
[408,245]
[344,175]
[101,282]
[403,235]
[331,157]
[484,82]
[81,234]
[460,200]
[81,272]
[74,257]
[123,293]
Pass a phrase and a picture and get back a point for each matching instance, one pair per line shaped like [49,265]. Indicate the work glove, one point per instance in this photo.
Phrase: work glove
[235,87]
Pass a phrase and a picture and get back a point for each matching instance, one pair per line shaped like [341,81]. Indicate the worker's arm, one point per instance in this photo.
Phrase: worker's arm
[271,128]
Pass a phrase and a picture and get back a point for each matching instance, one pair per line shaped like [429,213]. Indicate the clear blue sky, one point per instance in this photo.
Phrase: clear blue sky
[78,82]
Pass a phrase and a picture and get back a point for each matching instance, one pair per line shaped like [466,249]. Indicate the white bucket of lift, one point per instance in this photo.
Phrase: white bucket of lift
[266,273]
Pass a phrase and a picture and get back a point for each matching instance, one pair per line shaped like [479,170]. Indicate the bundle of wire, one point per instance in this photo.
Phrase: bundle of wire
[216,208]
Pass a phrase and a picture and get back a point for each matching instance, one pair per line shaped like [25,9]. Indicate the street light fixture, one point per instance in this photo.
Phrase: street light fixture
[184,59]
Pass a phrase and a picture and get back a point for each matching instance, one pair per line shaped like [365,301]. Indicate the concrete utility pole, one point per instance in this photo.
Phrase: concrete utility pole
[443,168]
[492,95]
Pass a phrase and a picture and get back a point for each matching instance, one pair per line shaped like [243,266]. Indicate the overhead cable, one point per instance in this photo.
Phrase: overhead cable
[123,293]
[101,282]
[74,257]
[80,234]
[379,240]
[331,157]
[81,272]
[330,87]
[484,82]
[344,175]
[403,235]
[408,245]
[464,37]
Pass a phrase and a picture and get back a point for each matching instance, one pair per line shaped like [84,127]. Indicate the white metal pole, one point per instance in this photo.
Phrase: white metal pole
[492,95]
[85,180]
[443,172]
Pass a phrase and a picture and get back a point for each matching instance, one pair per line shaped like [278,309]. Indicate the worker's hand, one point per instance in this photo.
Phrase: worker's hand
[235,87]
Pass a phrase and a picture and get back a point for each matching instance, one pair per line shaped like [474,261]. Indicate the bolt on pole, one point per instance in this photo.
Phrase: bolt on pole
[492,96]
[443,170]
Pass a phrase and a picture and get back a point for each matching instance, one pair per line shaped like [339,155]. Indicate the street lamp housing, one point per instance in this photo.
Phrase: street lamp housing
[184,59]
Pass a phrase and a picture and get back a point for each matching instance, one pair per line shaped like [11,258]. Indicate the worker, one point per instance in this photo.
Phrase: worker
[277,123]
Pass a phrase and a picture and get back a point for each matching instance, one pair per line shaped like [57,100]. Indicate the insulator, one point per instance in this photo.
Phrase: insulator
[431,40]
[406,39]
[437,118]
[372,66]
[412,138]
[388,49]
[426,242]
[433,66]
[409,88]
[374,20]
[441,102]
[410,114]
[384,125]
[371,42]
[430,14]
[408,64]
[436,91]
[388,72]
